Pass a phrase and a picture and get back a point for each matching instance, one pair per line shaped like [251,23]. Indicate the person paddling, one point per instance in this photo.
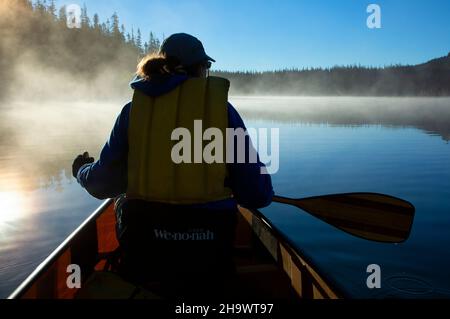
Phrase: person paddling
[175,218]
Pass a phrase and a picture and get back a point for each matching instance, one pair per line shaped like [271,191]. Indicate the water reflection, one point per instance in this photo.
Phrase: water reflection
[37,151]
[429,114]
[362,147]
[13,206]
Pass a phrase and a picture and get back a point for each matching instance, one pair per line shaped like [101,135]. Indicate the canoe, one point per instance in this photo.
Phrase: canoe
[268,264]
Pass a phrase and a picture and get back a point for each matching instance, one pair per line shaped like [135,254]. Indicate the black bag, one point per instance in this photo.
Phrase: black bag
[161,241]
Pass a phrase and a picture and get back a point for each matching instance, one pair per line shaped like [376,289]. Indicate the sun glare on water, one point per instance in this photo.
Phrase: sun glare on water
[12,206]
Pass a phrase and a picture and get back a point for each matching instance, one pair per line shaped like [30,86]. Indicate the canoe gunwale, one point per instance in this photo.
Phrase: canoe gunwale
[304,263]
[58,252]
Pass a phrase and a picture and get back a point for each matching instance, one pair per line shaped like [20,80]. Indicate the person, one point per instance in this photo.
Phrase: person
[174,217]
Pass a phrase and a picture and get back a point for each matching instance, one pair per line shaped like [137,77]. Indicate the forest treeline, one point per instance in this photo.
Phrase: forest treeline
[428,79]
[34,35]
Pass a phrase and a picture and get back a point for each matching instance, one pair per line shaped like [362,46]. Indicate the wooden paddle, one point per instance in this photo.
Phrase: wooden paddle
[371,216]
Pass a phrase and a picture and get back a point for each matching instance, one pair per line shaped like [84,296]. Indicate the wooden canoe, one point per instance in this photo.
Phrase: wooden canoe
[265,259]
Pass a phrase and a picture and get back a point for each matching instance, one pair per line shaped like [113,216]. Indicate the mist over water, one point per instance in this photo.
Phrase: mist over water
[431,114]
[39,139]
[360,144]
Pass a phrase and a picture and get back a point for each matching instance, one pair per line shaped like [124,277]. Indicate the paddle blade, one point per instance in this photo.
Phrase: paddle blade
[375,217]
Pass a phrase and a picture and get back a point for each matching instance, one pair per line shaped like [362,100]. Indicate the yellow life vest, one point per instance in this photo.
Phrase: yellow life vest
[152,174]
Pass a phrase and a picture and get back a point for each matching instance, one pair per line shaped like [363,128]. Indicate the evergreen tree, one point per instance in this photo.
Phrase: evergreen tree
[40,7]
[133,39]
[62,15]
[139,40]
[85,21]
[96,21]
[122,33]
[154,44]
[52,9]
[115,27]
[108,27]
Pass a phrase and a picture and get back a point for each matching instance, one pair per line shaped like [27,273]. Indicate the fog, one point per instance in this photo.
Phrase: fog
[40,140]
[43,60]
[62,89]
[431,114]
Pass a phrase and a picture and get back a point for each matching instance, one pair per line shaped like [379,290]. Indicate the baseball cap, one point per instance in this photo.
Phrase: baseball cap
[186,48]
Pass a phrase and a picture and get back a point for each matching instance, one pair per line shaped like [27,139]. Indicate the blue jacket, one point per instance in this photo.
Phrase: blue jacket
[107,178]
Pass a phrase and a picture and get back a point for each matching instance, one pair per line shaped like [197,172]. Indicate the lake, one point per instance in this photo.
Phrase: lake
[396,146]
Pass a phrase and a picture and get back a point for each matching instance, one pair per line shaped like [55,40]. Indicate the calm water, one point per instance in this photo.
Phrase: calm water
[326,146]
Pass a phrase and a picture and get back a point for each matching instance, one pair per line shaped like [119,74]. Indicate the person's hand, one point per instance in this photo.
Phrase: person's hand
[80,161]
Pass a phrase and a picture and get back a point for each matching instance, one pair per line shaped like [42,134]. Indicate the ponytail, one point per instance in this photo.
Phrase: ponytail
[160,65]
[157,64]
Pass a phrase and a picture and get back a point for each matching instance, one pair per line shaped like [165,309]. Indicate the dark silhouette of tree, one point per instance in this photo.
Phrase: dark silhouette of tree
[96,22]
[62,15]
[108,28]
[133,39]
[52,9]
[85,21]
[122,33]
[154,44]
[428,79]
[139,40]
[40,7]
[115,27]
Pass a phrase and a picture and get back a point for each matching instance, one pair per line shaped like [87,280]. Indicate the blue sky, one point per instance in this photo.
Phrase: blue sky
[276,34]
